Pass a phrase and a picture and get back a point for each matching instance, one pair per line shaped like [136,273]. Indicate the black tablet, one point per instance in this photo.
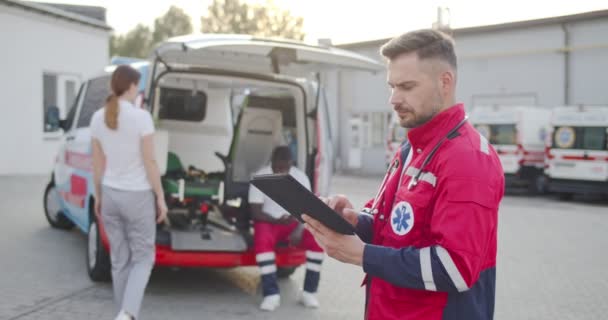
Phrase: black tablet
[287,192]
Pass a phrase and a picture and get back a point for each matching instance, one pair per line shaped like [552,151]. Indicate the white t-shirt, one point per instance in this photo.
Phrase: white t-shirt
[122,147]
[268,205]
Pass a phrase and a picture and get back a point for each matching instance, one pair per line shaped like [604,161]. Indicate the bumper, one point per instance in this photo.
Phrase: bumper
[515,180]
[523,177]
[578,186]
[165,256]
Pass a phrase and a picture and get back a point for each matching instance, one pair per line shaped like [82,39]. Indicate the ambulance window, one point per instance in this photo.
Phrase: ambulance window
[594,138]
[94,99]
[182,105]
[504,134]
[484,130]
[583,138]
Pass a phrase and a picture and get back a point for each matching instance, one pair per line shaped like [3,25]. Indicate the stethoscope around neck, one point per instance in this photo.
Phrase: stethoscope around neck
[416,178]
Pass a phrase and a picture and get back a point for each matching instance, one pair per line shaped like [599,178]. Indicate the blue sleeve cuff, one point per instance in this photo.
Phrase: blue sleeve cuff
[365,229]
[400,267]
[372,259]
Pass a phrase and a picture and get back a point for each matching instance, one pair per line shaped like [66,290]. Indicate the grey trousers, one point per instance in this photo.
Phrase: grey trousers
[129,220]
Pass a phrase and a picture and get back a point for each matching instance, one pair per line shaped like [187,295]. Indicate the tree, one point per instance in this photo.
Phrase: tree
[139,41]
[234,16]
[175,22]
[136,43]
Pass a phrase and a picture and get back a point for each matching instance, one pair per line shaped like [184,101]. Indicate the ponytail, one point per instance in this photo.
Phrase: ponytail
[122,79]
[111,117]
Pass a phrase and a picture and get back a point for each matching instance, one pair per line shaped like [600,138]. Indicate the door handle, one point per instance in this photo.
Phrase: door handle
[70,138]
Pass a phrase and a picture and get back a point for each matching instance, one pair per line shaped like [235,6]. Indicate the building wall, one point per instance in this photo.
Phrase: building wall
[511,67]
[589,62]
[524,66]
[34,44]
[363,96]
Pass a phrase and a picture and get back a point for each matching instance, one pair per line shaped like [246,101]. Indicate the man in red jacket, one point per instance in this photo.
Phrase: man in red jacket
[427,241]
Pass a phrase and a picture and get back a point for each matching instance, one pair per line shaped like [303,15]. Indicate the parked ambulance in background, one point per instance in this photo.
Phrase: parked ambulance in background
[577,153]
[396,135]
[518,134]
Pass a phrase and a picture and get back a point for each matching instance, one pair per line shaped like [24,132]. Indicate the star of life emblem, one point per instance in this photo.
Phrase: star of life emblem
[402,218]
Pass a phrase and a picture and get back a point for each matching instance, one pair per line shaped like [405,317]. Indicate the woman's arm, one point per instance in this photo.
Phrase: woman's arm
[99,166]
[152,172]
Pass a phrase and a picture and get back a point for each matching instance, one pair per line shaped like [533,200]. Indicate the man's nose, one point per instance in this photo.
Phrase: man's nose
[395,100]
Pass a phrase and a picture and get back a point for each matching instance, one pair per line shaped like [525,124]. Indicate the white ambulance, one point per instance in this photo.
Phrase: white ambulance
[518,134]
[221,103]
[577,153]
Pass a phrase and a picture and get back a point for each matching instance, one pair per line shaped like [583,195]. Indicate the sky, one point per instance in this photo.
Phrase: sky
[346,21]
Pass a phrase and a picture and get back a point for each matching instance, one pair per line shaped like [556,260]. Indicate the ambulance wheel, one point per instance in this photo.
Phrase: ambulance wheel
[538,185]
[285,272]
[98,259]
[52,209]
[565,196]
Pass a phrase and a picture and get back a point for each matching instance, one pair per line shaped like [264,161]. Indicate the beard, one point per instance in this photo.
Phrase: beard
[419,119]
[415,121]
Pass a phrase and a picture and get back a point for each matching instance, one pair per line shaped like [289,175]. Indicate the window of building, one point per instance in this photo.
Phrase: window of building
[58,96]
[378,129]
[49,102]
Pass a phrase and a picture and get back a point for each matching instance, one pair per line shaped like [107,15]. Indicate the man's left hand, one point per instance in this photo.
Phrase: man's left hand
[344,248]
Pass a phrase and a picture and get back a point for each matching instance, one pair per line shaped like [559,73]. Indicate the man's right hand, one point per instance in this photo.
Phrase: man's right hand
[343,206]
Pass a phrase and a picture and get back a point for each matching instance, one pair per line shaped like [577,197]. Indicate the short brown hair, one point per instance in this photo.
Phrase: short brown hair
[426,43]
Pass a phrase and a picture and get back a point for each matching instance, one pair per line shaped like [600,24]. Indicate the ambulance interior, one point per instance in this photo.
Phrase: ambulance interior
[218,131]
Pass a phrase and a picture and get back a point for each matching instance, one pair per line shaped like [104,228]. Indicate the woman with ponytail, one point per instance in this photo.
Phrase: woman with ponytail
[129,198]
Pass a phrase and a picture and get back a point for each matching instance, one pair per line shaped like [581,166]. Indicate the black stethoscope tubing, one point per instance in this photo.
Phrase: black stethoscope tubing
[414,182]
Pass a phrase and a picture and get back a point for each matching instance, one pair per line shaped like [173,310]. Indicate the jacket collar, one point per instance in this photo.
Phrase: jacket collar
[426,135]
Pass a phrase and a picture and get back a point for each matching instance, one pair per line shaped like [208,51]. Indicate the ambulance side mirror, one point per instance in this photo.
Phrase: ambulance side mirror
[63,124]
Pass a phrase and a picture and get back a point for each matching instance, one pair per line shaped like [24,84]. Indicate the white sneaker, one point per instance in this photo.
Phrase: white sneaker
[309,300]
[123,316]
[271,302]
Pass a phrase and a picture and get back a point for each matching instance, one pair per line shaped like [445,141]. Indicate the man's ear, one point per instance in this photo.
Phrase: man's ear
[447,81]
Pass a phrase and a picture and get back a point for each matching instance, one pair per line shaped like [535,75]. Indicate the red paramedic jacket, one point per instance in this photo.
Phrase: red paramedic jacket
[431,249]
